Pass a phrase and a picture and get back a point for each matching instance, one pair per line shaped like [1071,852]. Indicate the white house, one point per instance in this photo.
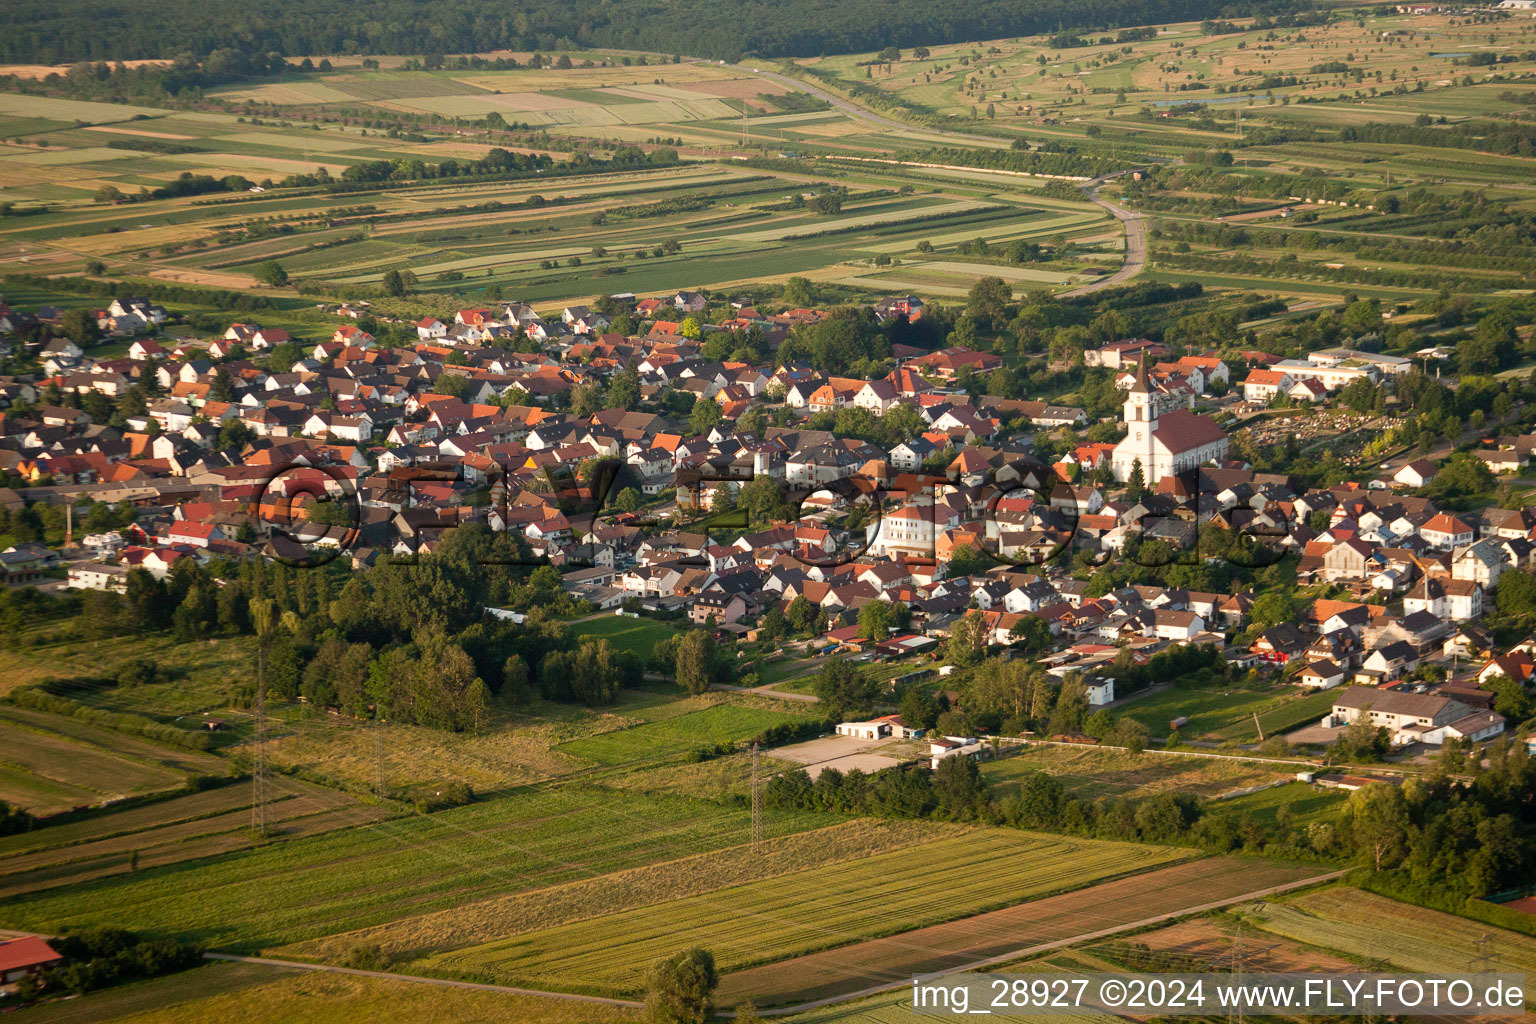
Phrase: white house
[953,746]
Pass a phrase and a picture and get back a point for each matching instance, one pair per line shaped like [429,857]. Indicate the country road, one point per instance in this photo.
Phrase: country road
[1135,230]
[1135,241]
[767,690]
[443,982]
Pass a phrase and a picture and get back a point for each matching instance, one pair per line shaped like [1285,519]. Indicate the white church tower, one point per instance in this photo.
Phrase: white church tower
[1140,421]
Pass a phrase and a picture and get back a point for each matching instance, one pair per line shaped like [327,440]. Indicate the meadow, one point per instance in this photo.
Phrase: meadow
[1303,803]
[1224,714]
[798,913]
[170,831]
[46,772]
[638,636]
[673,737]
[1092,771]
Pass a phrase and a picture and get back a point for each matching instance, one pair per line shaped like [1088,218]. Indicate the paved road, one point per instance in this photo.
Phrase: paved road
[444,982]
[1135,241]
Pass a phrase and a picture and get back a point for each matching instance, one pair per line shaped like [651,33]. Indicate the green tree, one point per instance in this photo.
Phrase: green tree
[988,301]
[843,689]
[1136,485]
[918,708]
[1130,734]
[968,638]
[393,283]
[959,787]
[801,613]
[875,621]
[704,416]
[1272,608]
[695,661]
[965,560]
[586,399]
[1378,817]
[681,988]
[223,387]
[80,327]
[1516,592]
[624,389]
[799,293]
[272,273]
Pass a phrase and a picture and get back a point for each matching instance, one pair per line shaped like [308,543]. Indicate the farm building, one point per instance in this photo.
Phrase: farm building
[886,727]
[941,747]
[23,957]
[1415,717]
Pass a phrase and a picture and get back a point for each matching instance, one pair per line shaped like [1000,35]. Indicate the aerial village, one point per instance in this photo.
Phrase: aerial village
[679,470]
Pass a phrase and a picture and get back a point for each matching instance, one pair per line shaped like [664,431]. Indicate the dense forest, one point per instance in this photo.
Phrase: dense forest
[61,31]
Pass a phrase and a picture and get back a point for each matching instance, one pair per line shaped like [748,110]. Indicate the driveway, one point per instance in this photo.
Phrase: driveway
[844,753]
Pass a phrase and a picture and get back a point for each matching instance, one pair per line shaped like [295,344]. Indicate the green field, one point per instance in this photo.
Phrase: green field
[1093,771]
[46,772]
[1224,715]
[808,910]
[1305,804]
[1372,928]
[257,994]
[375,873]
[672,737]
[638,636]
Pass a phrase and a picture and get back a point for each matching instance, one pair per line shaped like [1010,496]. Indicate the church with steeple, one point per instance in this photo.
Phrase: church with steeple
[1164,442]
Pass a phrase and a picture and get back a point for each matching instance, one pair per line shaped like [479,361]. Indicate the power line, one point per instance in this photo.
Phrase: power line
[259,782]
[379,787]
[757,802]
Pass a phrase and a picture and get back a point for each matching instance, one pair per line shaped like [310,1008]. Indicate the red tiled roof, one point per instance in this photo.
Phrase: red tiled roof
[27,951]
[1182,430]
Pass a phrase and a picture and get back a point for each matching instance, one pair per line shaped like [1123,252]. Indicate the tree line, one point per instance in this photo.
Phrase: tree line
[48,32]
[1452,835]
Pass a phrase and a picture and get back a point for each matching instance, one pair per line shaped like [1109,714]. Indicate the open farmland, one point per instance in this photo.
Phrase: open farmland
[235,993]
[896,1008]
[1092,771]
[1052,88]
[559,239]
[370,874]
[799,912]
[1195,944]
[622,891]
[672,737]
[46,772]
[1369,927]
[170,831]
[638,636]
[946,946]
